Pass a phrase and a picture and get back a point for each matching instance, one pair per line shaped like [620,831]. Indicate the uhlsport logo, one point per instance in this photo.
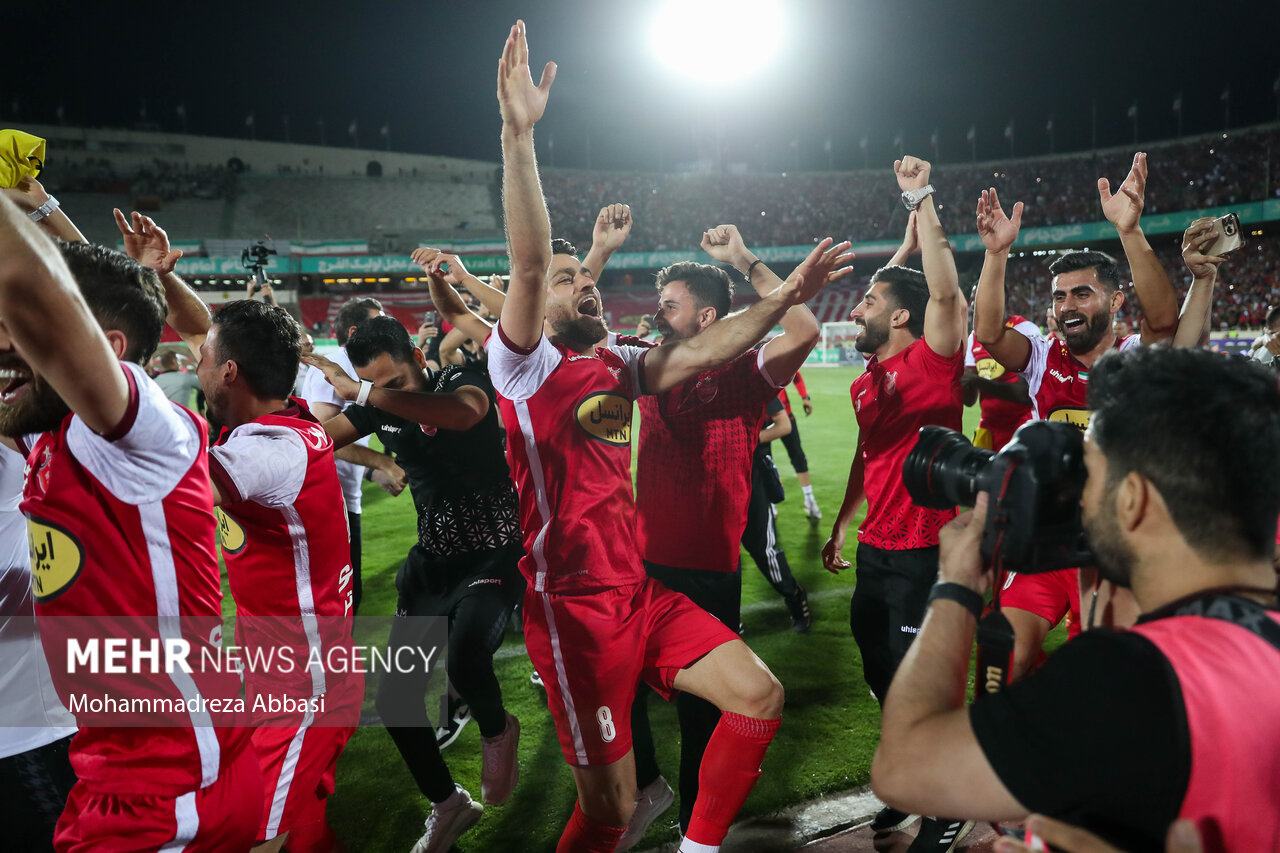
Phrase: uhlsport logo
[56,559]
[606,416]
[230,534]
[1078,418]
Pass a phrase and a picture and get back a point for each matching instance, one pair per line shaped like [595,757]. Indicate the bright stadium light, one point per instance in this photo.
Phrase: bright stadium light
[717,43]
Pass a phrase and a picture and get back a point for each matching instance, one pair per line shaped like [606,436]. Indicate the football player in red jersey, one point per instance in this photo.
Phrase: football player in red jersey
[119,490]
[913,332]
[1086,296]
[594,622]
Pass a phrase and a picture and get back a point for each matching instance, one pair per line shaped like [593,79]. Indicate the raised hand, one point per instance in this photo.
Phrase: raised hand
[521,102]
[817,270]
[912,173]
[998,231]
[1124,209]
[613,226]
[724,243]
[442,265]
[1199,235]
[147,243]
[346,387]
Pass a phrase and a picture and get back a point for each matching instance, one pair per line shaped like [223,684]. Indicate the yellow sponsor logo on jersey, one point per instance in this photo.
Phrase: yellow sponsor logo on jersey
[57,559]
[230,534]
[606,416]
[1079,418]
[989,368]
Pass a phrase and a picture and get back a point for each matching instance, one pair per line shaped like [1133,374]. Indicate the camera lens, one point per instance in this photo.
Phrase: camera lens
[944,470]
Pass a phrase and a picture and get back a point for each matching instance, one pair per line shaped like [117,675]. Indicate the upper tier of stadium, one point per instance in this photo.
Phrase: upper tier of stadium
[207,190]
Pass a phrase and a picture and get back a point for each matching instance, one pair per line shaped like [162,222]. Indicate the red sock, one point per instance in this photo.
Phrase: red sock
[583,835]
[729,770]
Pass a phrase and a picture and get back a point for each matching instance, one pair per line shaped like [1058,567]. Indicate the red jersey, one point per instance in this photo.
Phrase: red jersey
[568,421]
[1059,384]
[693,481]
[892,400]
[1000,417]
[786,400]
[121,529]
[284,537]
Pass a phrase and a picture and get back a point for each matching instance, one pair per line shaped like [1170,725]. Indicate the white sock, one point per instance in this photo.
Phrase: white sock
[807,490]
[687,846]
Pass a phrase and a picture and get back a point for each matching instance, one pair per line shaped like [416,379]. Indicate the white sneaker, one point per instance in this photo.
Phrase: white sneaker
[499,770]
[536,680]
[447,822]
[651,800]
[811,509]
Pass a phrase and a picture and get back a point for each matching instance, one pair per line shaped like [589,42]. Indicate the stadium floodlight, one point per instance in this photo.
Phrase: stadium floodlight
[717,43]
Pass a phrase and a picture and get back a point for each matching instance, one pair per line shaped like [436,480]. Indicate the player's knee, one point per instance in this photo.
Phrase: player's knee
[612,806]
[762,696]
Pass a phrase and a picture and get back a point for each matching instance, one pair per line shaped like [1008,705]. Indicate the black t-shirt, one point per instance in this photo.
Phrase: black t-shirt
[460,481]
[1097,737]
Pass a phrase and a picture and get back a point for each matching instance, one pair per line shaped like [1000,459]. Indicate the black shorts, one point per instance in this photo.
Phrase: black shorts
[718,593]
[433,586]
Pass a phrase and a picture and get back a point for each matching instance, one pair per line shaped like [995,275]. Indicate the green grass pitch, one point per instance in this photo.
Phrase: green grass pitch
[830,725]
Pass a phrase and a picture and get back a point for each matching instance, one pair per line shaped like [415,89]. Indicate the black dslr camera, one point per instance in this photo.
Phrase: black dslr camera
[1034,483]
[256,257]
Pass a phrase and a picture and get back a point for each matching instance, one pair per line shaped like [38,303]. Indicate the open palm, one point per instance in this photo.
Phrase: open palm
[1124,209]
[521,102]
[997,230]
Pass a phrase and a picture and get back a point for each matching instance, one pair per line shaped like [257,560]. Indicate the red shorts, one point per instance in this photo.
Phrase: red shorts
[298,754]
[218,818]
[1049,595]
[593,650]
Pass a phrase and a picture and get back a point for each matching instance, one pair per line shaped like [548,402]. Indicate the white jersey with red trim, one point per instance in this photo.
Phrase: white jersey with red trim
[121,531]
[1058,383]
[568,421]
[285,541]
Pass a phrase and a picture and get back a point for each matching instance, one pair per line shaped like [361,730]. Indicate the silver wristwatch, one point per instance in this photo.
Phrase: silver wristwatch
[911,198]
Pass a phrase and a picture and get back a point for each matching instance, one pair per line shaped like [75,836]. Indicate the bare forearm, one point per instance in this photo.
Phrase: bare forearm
[721,342]
[1193,321]
[854,492]
[60,225]
[490,297]
[452,411]
[935,255]
[188,314]
[1014,392]
[358,454]
[1151,284]
[528,238]
[595,260]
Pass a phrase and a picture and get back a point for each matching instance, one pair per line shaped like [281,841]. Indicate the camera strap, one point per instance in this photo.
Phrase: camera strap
[995,653]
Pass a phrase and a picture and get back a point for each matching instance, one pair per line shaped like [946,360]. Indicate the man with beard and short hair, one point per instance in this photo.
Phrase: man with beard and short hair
[284,540]
[1177,714]
[353,460]
[460,579]
[1086,297]
[913,329]
[120,515]
[595,623]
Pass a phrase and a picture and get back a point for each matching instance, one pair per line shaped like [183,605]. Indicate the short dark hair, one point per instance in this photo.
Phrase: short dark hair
[265,343]
[1107,269]
[122,294]
[908,289]
[710,285]
[352,313]
[1272,316]
[561,246]
[377,336]
[1214,459]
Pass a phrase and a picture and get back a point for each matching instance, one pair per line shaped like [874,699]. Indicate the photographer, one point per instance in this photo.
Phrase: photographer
[1180,505]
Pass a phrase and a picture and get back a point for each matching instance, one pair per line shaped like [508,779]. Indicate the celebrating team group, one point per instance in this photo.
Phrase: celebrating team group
[125,492]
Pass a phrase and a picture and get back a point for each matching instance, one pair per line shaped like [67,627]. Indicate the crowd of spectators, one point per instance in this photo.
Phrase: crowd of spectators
[157,179]
[671,210]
